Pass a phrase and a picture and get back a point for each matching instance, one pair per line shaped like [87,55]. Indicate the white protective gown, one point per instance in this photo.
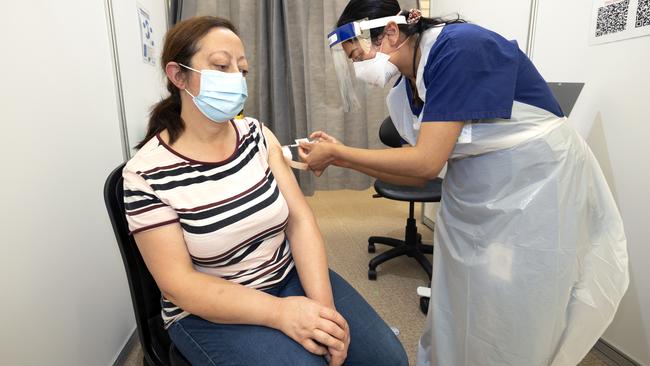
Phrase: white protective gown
[530,258]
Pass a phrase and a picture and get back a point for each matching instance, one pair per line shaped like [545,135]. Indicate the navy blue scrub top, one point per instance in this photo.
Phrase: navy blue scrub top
[473,73]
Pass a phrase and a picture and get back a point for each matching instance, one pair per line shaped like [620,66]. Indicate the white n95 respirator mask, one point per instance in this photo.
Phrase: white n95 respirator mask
[222,94]
[376,71]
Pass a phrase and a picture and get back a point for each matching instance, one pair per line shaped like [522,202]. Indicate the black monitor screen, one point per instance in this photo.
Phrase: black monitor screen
[566,94]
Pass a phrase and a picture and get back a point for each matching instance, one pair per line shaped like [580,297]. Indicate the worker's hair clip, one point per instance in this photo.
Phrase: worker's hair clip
[414,16]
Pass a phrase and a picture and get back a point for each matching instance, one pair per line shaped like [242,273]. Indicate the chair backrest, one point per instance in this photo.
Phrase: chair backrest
[145,294]
[388,134]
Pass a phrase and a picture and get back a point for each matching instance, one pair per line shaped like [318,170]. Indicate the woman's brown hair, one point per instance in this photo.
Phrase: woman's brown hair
[181,43]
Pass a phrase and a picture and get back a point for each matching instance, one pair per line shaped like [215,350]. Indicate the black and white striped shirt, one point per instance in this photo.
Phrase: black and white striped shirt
[232,212]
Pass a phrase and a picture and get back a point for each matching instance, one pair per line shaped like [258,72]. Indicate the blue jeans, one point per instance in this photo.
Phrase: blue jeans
[371,341]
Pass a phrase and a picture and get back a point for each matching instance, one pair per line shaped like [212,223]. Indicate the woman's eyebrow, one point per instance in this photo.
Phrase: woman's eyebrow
[226,53]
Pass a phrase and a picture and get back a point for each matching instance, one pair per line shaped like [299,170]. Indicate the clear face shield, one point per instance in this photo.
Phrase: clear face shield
[352,43]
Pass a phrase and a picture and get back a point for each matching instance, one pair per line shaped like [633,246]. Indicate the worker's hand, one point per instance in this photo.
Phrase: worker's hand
[320,154]
[316,327]
[319,136]
[317,155]
[322,136]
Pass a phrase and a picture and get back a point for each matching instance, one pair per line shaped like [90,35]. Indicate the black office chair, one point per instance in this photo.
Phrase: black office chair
[412,244]
[157,347]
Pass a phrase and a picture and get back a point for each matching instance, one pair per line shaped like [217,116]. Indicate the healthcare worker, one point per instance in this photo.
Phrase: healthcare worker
[530,259]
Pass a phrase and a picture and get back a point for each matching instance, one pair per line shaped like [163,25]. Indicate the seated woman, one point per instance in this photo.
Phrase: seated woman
[225,230]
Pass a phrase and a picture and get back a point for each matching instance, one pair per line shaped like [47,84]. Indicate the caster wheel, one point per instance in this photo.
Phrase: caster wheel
[424,305]
[371,248]
[372,274]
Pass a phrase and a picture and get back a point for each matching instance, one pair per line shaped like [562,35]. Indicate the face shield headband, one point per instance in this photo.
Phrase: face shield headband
[358,31]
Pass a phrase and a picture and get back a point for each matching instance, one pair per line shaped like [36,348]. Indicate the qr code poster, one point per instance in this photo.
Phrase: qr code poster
[147,44]
[615,20]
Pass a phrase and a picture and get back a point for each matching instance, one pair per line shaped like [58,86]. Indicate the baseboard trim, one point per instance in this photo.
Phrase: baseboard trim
[614,357]
[127,348]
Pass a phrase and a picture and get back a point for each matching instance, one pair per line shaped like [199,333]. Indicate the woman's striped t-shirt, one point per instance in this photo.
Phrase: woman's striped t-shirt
[232,214]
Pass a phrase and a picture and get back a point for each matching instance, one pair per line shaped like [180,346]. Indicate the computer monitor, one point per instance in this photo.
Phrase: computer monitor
[566,94]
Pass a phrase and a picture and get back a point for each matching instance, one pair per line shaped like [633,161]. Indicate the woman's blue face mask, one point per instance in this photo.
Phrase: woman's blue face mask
[222,94]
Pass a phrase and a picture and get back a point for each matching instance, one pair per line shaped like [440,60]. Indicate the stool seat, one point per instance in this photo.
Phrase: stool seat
[431,192]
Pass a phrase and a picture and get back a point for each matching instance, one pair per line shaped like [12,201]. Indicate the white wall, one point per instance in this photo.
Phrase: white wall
[612,113]
[142,83]
[506,17]
[64,293]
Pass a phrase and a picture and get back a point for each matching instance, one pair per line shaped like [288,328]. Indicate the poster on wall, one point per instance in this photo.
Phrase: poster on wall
[147,44]
[615,20]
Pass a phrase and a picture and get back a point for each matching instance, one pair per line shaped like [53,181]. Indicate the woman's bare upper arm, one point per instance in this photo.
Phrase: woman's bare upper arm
[165,253]
[284,176]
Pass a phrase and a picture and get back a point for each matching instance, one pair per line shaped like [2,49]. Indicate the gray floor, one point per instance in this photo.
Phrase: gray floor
[594,358]
[346,219]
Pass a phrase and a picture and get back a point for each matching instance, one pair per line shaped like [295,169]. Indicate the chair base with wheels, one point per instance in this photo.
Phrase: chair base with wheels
[412,245]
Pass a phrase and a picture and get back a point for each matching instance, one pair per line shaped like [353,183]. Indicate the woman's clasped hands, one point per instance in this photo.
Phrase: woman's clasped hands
[319,329]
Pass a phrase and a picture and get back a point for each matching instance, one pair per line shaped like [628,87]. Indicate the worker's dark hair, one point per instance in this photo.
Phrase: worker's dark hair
[181,43]
[373,9]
